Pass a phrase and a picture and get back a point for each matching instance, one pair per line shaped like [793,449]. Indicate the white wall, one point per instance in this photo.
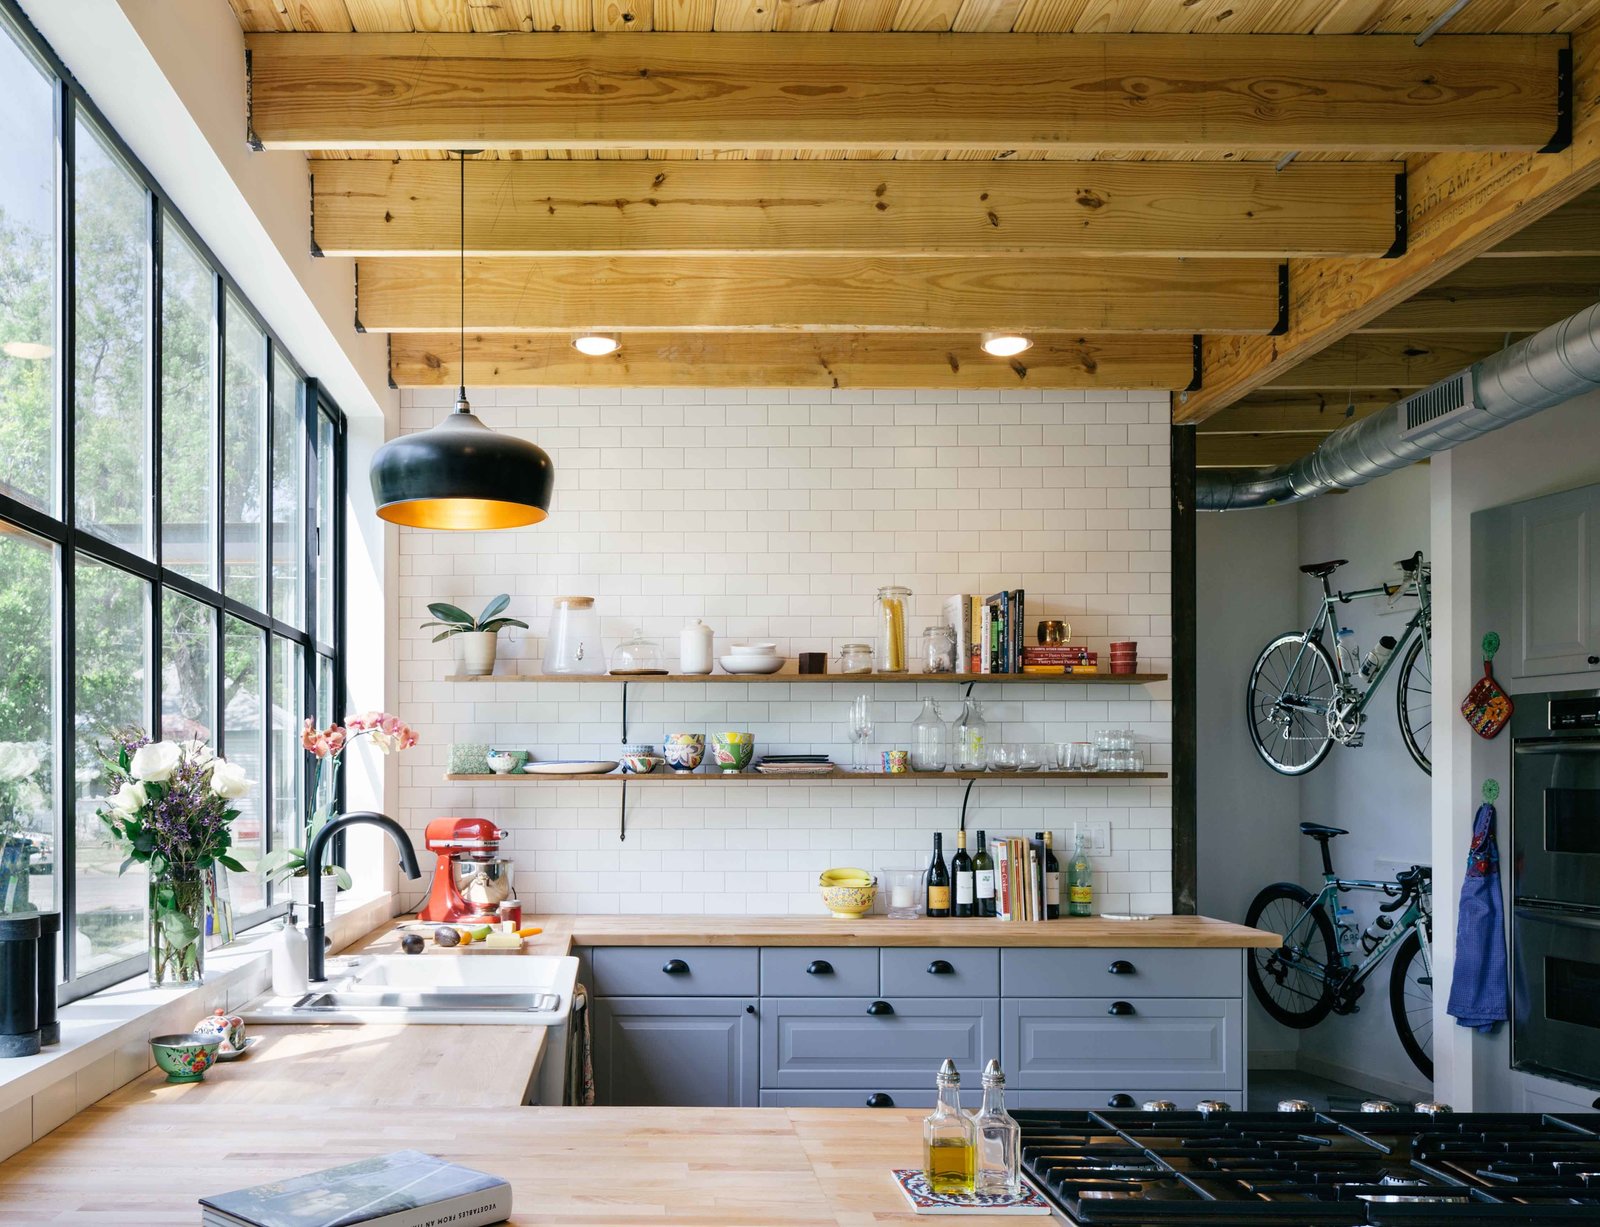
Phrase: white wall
[1247,815]
[1375,791]
[1556,450]
[777,514]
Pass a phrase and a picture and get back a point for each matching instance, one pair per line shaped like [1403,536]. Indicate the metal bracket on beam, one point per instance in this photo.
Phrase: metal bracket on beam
[1563,133]
[1282,326]
[1401,220]
[1194,384]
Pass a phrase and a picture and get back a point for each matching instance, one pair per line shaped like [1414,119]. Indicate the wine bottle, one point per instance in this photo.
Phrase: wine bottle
[938,880]
[983,878]
[1052,882]
[961,866]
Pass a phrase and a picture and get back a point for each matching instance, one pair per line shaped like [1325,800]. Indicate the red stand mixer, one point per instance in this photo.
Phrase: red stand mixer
[471,879]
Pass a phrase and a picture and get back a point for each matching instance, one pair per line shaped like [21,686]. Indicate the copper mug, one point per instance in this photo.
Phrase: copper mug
[1053,633]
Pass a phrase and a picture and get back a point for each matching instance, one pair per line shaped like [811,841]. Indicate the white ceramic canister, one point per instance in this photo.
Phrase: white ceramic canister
[694,648]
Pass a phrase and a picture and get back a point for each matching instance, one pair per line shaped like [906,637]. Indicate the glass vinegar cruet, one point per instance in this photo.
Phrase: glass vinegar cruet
[997,1159]
[948,1137]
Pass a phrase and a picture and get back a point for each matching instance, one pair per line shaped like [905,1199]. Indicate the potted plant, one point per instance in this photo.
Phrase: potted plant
[477,634]
[390,734]
[171,809]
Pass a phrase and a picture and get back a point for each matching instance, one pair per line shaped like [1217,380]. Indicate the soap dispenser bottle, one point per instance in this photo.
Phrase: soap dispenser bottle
[290,973]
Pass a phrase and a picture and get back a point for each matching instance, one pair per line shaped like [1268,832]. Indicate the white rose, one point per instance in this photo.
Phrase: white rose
[130,798]
[18,760]
[228,779]
[155,762]
[197,750]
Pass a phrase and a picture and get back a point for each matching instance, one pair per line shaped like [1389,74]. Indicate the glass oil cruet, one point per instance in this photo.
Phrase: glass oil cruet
[971,733]
[999,1138]
[948,1137]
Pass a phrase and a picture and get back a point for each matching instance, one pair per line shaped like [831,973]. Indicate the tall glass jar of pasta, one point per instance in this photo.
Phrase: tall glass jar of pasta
[891,611]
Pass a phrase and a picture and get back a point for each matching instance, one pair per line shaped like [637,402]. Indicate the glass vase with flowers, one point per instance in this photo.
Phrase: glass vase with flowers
[328,746]
[171,810]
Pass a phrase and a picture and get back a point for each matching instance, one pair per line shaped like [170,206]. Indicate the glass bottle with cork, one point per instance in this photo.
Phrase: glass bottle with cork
[938,880]
[997,1160]
[961,867]
[1080,880]
[1051,869]
[949,1137]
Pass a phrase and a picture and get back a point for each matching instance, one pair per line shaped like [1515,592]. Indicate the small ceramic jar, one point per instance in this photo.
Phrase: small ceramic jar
[228,1027]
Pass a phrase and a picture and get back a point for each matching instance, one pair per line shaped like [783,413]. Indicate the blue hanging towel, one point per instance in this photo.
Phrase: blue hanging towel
[1478,989]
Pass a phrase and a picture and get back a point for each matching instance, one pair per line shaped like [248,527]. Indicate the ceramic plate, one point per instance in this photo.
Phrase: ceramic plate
[250,1041]
[571,767]
[753,664]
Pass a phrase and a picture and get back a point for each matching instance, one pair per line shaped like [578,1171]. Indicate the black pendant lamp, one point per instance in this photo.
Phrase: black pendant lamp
[460,474]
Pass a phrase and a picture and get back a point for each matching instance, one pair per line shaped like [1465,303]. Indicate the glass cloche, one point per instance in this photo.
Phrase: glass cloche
[637,655]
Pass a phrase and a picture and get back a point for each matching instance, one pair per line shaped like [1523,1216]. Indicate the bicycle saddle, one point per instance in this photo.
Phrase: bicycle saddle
[1317,830]
[1317,570]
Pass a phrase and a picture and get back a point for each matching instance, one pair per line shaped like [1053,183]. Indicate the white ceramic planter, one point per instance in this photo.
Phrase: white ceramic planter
[330,894]
[477,652]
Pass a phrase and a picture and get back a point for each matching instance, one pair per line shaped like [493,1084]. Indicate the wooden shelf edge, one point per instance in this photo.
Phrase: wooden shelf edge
[752,777]
[1049,679]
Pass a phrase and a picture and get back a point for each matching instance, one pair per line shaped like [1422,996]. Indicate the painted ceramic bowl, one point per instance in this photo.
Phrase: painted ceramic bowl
[503,762]
[683,751]
[185,1058]
[848,893]
[227,1027]
[732,752]
[641,764]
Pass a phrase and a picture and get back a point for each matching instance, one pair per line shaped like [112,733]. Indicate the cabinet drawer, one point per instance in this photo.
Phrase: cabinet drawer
[930,971]
[833,1044]
[675,971]
[694,1052]
[818,971]
[1097,1101]
[1035,971]
[848,1099]
[1080,1044]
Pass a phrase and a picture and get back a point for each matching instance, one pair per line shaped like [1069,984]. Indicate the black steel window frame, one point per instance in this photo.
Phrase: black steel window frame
[71,103]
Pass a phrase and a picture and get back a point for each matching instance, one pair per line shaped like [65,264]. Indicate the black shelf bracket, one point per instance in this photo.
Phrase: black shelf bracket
[624,715]
[966,796]
[622,815]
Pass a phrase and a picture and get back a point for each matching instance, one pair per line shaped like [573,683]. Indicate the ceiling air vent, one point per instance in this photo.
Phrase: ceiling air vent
[1444,398]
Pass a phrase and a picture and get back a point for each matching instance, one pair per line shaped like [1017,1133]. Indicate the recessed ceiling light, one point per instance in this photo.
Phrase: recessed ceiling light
[595,344]
[31,351]
[1004,344]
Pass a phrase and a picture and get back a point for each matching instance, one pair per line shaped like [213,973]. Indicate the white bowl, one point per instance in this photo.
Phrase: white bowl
[754,649]
[752,664]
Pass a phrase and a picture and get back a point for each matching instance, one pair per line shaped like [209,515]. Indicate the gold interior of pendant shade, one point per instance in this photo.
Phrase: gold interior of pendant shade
[463,514]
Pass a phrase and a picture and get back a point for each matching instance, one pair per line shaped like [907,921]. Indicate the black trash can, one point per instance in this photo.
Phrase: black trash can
[19,985]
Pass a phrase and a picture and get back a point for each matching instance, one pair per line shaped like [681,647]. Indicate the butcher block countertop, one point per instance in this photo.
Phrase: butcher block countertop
[133,1160]
[562,933]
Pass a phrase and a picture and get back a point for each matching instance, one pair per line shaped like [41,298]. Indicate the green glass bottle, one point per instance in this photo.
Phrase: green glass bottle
[1080,880]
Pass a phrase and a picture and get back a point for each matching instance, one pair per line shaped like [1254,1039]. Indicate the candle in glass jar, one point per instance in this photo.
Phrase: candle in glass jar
[900,897]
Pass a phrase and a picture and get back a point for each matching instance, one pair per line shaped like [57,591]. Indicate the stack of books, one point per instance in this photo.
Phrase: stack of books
[1060,658]
[990,631]
[1019,886]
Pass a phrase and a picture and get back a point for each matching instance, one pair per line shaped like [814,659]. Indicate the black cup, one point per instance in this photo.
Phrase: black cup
[813,662]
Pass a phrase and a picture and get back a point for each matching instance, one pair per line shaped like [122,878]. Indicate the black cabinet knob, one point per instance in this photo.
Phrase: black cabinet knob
[819,967]
[1121,968]
[1121,1101]
[879,1100]
[939,967]
[1120,1008]
[749,1009]
[676,967]
[1594,660]
[880,1007]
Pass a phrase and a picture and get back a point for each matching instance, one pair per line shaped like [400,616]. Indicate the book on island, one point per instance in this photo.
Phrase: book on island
[404,1188]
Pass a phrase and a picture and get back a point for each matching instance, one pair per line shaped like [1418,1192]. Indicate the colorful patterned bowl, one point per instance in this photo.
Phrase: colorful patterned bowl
[848,893]
[185,1058]
[731,752]
[683,751]
[641,764]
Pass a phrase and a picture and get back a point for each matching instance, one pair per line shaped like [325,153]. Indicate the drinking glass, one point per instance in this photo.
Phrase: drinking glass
[1084,756]
[1003,756]
[1031,756]
[860,729]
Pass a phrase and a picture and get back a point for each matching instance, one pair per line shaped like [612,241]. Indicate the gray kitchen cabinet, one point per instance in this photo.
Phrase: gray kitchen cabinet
[835,1043]
[849,1099]
[1097,1043]
[690,1051]
[1127,1099]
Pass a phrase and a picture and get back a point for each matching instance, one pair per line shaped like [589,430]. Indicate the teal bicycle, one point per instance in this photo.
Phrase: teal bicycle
[1323,965]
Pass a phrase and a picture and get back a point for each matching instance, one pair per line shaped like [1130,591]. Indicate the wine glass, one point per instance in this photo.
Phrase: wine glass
[860,728]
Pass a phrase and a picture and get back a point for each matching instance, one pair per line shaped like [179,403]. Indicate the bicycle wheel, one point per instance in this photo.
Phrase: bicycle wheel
[1411,1003]
[1414,698]
[1292,981]
[1288,715]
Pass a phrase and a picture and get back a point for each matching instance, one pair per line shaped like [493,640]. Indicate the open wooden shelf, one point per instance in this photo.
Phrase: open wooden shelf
[1049,679]
[838,775]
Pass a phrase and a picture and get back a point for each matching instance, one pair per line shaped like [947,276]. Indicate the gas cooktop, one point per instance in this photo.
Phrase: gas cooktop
[1388,1169]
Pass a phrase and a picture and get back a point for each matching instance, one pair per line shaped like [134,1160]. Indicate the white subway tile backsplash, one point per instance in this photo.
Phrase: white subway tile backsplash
[774,514]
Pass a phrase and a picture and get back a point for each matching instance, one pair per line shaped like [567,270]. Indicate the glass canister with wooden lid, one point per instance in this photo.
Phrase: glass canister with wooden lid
[891,603]
[574,644]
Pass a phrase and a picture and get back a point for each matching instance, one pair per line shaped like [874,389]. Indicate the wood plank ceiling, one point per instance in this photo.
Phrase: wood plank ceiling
[1156,202]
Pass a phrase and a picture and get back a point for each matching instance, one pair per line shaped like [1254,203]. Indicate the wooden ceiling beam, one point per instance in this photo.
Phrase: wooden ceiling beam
[1572,230]
[1216,451]
[793,359]
[842,92]
[545,208]
[1380,361]
[1459,206]
[1511,294]
[1299,412]
[823,293]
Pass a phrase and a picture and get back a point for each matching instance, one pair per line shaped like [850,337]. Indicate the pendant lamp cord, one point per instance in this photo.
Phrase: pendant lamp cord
[461,394]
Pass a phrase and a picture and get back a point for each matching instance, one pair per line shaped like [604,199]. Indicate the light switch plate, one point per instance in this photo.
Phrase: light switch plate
[1096,836]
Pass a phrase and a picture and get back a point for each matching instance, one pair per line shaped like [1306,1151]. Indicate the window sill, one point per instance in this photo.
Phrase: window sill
[105,1037]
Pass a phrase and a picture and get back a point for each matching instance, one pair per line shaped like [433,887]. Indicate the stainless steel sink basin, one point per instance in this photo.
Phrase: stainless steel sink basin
[365,999]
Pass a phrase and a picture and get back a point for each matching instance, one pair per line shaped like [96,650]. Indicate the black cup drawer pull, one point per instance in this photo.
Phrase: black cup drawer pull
[676,967]
[879,1100]
[1121,968]
[1121,1101]
[880,1007]
[819,967]
[1120,1008]
[940,967]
